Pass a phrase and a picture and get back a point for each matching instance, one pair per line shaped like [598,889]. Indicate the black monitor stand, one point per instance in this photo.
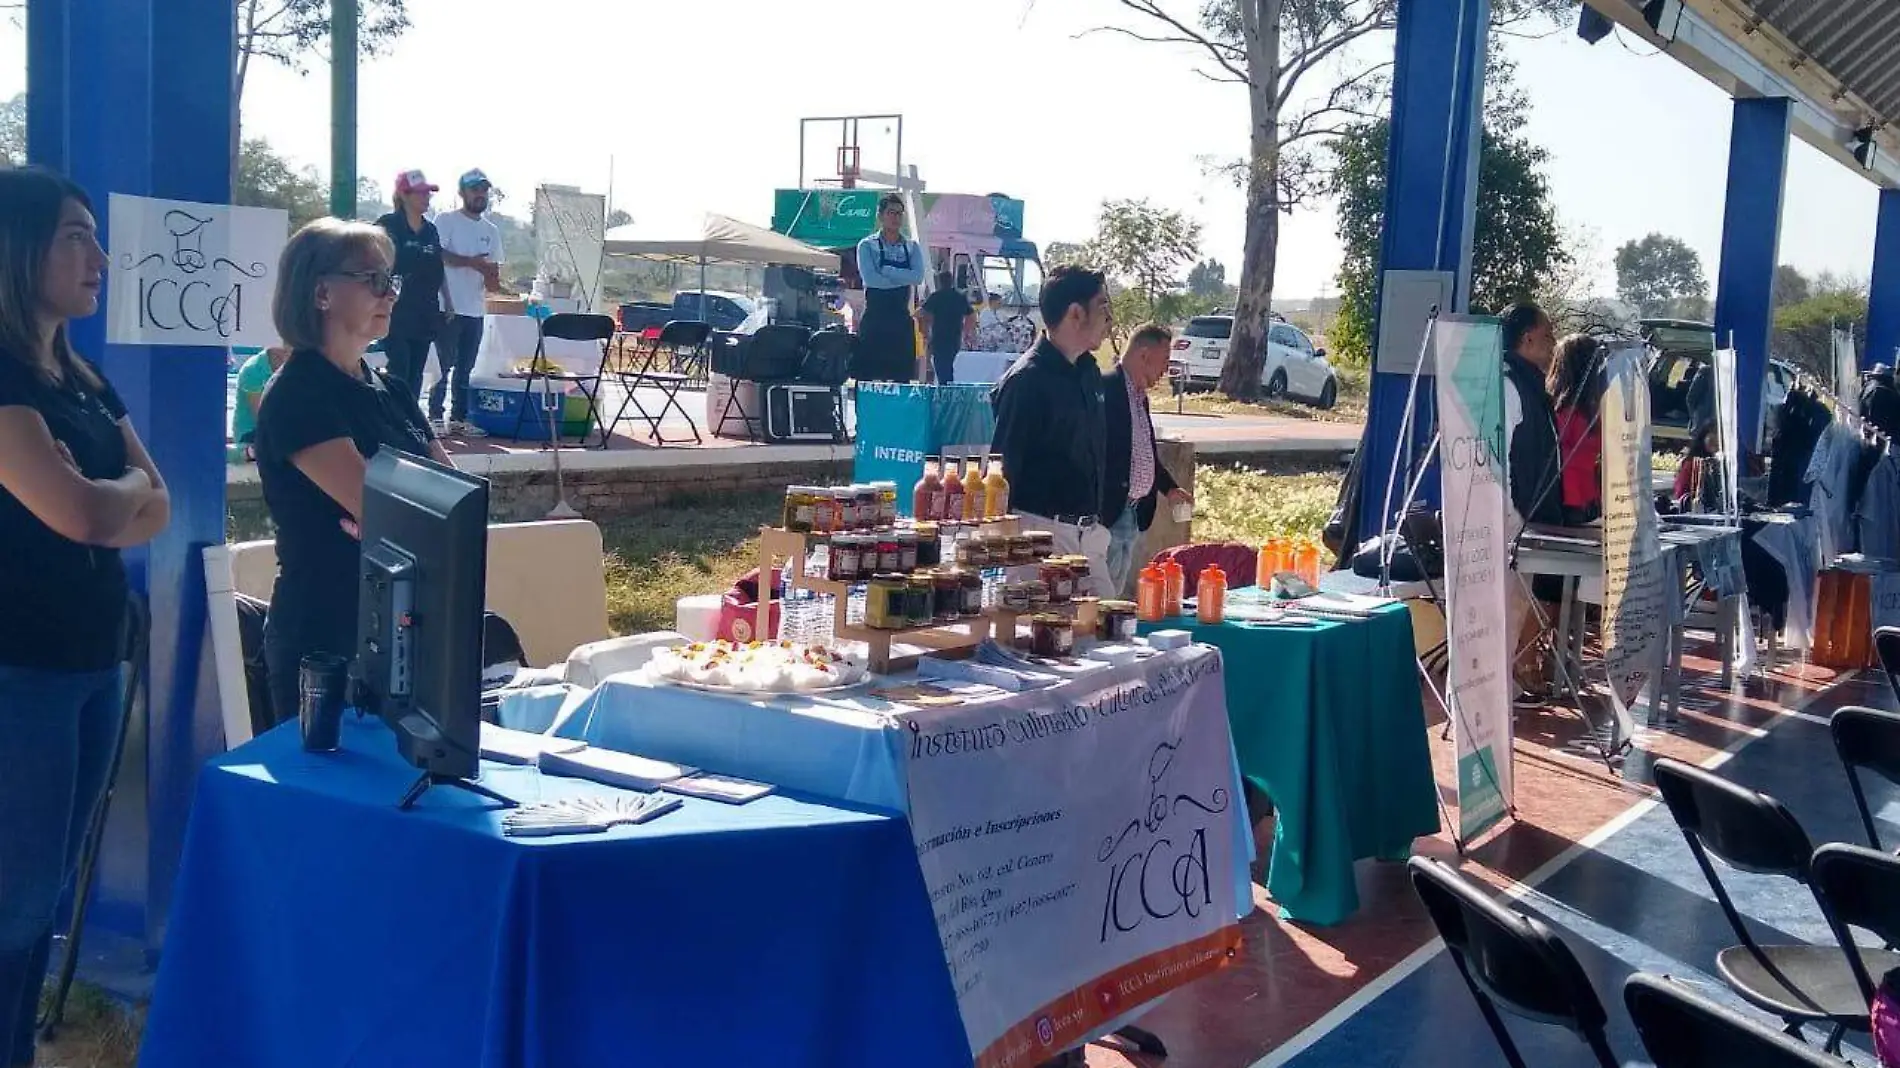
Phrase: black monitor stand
[430,778]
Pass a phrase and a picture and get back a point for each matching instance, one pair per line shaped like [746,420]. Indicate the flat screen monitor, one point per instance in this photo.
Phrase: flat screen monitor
[420,610]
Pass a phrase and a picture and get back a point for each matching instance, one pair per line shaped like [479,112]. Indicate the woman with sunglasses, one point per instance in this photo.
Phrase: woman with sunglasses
[76,486]
[325,414]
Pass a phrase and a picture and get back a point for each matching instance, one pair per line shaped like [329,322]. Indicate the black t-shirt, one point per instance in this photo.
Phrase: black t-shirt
[418,311]
[62,604]
[310,402]
[947,309]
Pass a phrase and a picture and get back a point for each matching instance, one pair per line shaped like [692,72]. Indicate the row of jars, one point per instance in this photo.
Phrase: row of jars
[857,557]
[897,601]
[830,509]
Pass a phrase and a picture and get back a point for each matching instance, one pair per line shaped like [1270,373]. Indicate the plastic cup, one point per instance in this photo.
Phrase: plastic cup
[323,681]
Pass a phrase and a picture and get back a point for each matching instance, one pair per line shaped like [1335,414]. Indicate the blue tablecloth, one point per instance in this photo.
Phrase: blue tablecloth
[313,924]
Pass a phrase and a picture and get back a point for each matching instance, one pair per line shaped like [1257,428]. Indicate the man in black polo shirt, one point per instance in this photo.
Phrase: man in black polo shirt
[1049,422]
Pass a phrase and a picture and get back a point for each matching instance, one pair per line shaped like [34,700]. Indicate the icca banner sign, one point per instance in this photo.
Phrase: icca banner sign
[1636,587]
[1080,857]
[1469,389]
[183,273]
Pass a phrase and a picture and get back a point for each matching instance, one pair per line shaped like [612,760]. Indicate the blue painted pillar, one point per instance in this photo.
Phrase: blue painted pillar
[1751,239]
[1430,203]
[134,97]
[1883,292]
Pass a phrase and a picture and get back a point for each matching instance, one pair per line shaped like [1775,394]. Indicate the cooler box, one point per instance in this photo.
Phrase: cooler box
[797,412]
[494,404]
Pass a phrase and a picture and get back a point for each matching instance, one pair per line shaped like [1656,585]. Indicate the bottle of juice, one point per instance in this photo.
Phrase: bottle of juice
[995,490]
[1174,588]
[973,493]
[1212,595]
[952,489]
[1263,564]
[1151,595]
[1308,562]
[926,498]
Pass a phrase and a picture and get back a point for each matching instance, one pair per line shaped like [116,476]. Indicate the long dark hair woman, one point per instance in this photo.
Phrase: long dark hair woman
[323,416]
[76,486]
[1576,391]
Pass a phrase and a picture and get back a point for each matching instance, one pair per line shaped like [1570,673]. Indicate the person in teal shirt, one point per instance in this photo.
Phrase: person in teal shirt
[252,377]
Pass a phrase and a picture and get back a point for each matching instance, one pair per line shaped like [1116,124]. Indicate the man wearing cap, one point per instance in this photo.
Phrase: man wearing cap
[471,251]
[417,318]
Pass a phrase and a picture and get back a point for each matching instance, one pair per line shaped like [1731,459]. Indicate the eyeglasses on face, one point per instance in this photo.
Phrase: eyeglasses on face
[381,283]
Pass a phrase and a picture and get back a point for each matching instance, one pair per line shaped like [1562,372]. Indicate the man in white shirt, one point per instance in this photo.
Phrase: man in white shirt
[471,251]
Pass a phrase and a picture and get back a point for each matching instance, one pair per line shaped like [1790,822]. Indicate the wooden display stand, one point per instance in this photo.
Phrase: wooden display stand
[888,652]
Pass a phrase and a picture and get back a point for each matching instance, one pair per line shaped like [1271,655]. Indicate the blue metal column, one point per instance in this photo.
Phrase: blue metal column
[1751,238]
[1883,292]
[1430,201]
[134,97]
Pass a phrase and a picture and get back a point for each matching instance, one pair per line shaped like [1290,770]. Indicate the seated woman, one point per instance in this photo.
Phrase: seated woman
[1576,390]
[324,414]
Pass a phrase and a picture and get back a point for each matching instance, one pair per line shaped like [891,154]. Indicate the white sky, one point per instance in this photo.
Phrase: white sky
[697,105]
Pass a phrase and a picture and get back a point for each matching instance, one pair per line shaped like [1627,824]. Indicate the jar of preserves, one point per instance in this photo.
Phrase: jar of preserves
[847,560]
[1078,568]
[972,600]
[844,504]
[824,511]
[884,603]
[1039,596]
[1052,636]
[906,550]
[1016,597]
[947,604]
[886,502]
[1118,621]
[887,554]
[1055,574]
[1042,544]
[797,516]
[866,496]
[920,600]
[1020,550]
[929,545]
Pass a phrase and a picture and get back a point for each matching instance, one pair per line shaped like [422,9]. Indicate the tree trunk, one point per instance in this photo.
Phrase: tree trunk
[246,35]
[1246,349]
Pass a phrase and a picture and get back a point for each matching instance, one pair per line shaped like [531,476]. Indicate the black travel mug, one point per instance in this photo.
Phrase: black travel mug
[322,682]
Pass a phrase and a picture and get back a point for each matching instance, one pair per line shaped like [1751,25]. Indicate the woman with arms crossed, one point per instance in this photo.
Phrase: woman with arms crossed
[76,486]
[325,414]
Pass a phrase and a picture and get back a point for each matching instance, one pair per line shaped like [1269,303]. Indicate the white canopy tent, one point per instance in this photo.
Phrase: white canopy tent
[722,240]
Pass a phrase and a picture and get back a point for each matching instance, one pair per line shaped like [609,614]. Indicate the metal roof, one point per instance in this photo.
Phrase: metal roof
[1839,60]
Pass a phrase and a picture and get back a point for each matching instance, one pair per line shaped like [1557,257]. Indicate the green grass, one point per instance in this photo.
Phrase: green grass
[1349,408]
[655,559]
[1249,505]
[98,1032]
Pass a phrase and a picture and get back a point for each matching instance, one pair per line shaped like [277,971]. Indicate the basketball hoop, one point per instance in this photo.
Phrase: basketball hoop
[848,166]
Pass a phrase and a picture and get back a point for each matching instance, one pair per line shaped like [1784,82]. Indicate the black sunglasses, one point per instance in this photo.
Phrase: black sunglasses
[381,283]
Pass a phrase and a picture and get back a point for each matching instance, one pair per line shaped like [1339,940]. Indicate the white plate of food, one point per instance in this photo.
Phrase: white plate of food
[757,669]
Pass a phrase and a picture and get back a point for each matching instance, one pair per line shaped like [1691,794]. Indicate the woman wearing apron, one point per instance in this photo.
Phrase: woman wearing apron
[890,265]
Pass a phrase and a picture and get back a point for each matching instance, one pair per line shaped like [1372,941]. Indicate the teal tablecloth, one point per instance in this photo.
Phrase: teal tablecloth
[1327,720]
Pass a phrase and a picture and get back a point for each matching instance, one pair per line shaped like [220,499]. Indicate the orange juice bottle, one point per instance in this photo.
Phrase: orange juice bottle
[1174,588]
[995,491]
[1151,595]
[1212,595]
[952,488]
[1263,566]
[1308,561]
[973,492]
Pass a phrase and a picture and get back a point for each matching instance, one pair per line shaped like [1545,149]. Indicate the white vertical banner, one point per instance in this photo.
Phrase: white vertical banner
[570,230]
[183,273]
[1469,387]
[1728,428]
[1636,586]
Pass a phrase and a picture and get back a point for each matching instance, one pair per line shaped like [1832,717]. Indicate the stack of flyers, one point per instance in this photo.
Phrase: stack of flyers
[585,815]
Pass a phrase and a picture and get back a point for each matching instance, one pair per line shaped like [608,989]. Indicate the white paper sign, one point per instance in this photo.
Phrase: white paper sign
[1846,370]
[1636,586]
[1728,423]
[1470,394]
[191,274]
[1079,856]
[570,229]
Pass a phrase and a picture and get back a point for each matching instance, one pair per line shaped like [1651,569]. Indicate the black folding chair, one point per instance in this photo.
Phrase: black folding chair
[1859,888]
[1867,738]
[1680,1029]
[773,354]
[1755,833]
[828,363]
[565,326]
[1511,960]
[1887,648]
[682,343]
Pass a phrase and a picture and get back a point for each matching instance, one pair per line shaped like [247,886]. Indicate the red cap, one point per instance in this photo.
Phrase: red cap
[413,181]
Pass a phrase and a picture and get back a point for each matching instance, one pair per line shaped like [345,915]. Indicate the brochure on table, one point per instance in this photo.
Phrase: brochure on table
[1637,588]
[1470,394]
[1077,845]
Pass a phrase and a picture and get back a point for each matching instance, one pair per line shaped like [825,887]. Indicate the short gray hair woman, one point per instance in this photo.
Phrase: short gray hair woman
[323,416]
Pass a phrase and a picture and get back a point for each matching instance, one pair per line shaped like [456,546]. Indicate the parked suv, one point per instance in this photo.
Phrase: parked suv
[1683,348]
[1293,367]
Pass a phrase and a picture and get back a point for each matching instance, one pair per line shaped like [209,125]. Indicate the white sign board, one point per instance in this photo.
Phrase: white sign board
[1636,586]
[191,274]
[1728,423]
[1080,857]
[1846,370]
[1470,395]
[570,230]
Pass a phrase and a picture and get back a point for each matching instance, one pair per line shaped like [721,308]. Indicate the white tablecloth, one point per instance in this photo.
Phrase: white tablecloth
[983,366]
[510,339]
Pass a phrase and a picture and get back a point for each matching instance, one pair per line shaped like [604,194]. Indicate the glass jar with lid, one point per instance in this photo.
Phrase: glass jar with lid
[906,550]
[885,606]
[929,545]
[886,503]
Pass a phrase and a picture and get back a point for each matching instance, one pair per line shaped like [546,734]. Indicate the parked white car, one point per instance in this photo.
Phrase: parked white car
[1293,367]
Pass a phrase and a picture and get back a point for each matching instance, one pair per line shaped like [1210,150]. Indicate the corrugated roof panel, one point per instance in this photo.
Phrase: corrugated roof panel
[1855,43]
